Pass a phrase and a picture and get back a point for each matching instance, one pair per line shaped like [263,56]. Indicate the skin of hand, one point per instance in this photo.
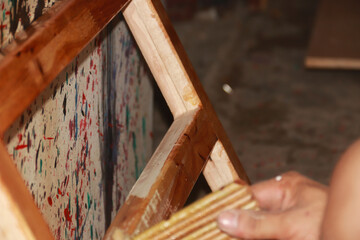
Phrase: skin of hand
[342,215]
[291,209]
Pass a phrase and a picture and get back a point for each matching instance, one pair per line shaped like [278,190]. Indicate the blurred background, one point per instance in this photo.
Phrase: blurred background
[279,115]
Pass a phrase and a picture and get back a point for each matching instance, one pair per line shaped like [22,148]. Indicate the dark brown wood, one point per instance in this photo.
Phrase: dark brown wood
[335,41]
[39,54]
[168,178]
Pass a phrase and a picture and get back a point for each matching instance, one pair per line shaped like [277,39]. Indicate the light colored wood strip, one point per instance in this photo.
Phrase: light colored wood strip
[157,34]
[181,223]
[335,37]
[154,60]
[41,52]
[199,218]
[219,170]
[25,220]
[332,63]
[167,59]
[168,178]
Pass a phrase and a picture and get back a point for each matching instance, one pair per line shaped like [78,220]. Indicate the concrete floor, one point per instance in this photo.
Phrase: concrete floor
[279,115]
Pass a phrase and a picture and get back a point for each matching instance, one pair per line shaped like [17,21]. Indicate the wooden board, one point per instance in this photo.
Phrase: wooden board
[39,54]
[335,41]
[195,138]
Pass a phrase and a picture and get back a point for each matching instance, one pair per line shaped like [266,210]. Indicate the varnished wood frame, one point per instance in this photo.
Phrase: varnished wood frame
[196,142]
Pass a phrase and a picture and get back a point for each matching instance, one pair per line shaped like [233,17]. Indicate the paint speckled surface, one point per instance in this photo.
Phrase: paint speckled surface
[16,15]
[83,142]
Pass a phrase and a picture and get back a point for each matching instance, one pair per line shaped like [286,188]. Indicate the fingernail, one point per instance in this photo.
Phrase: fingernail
[228,220]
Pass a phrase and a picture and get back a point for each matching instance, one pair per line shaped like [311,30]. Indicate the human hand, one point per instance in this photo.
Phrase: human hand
[292,208]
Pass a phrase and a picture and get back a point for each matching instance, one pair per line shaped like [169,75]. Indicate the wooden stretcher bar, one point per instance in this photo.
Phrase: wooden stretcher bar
[195,142]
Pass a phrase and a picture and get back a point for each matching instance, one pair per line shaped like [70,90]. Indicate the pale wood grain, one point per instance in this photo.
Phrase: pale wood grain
[27,222]
[198,220]
[177,79]
[168,178]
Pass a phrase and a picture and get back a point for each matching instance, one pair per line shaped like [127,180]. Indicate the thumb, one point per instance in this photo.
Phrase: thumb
[252,224]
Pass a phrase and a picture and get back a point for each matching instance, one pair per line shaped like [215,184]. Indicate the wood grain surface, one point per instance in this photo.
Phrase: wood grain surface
[335,41]
[168,178]
[38,55]
[28,222]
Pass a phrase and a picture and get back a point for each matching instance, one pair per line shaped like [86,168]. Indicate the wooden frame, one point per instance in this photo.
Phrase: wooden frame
[195,142]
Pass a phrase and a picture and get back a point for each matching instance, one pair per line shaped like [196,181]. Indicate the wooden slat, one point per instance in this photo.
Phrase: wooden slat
[51,43]
[335,41]
[24,219]
[219,171]
[168,178]
[176,77]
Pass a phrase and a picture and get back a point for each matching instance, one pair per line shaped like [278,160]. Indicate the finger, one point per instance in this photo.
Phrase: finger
[253,224]
[269,194]
[274,194]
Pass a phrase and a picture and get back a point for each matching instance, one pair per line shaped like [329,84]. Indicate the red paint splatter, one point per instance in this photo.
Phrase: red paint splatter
[19,137]
[48,138]
[100,133]
[2,26]
[83,98]
[83,125]
[71,128]
[21,146]
[67,214]
[59,192]
[50,201]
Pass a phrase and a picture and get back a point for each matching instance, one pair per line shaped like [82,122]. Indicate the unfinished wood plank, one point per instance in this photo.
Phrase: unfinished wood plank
[23,220]
[335,41]
[199,219]
[39,54]
[168,61]
[167,180]
[219,170]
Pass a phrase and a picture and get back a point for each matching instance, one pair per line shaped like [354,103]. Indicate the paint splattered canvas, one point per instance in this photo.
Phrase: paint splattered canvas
[83,142]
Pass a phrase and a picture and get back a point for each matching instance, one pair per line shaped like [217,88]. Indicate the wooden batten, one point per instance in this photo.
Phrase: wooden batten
[38,55]
[178,81]
[24,219]
[335,37]
[168,178]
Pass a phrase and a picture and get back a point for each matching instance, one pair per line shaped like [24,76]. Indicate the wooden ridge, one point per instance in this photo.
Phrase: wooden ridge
[38,55]
[28,222]
[335,41]
[198,220]
[168,178]
[179,84]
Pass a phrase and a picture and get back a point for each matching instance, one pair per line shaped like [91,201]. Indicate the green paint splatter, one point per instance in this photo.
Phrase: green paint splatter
[143,126]
[91,232]
[137,170]
[89,202]
[40,170]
